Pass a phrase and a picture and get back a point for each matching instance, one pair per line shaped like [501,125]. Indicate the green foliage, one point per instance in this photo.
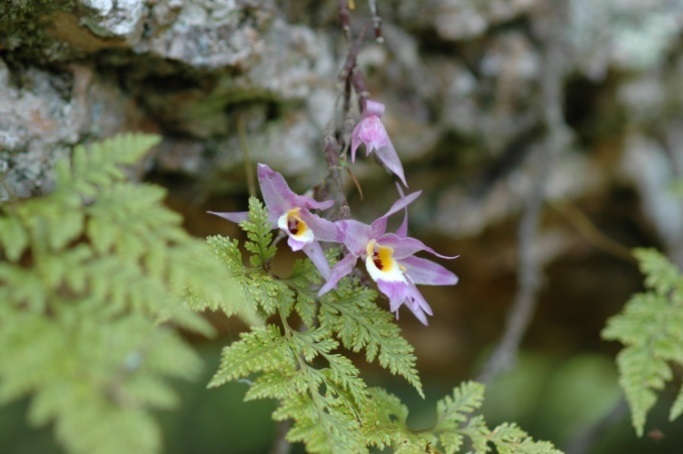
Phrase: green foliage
[360,324]
[651,328]
[457,427]
[88,273]
[259,233]
[298,359]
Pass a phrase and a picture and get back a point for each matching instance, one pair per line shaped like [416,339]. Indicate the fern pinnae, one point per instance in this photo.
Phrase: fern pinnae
[259,233]
[360,324]
[93,268]
[651,329]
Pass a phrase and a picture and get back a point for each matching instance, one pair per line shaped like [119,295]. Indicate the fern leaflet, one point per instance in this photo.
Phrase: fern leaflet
[651,328]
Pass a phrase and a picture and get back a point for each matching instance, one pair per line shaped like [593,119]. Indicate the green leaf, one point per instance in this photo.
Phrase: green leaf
[510,439]
[321,427]
[262,349]
[259,233]
[452,411]
[304,280]
[677,407]
[98,165]
[651,329]
[351,312]
[92,268]
[13,238]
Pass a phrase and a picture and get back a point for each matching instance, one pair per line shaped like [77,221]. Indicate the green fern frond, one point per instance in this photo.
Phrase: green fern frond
[254,288]
[323,402]
[268,293]
[386,423]
[320,425]
[677,407]
[317,387]
[98,165]
[651,328]
[228,293]
[510,439]
[259,233]
[91,271]
[351,312]
[263,349]
[303,281]
[453,412]
[456,419]
[14,237]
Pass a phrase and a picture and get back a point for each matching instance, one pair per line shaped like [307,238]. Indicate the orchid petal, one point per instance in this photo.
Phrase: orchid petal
[418,305]
[295,244]
[379,225]
[371,132]
[402,203]
[405,247]
[311,204]
[396,291]
[371,107]
[355,236]
[403,228]
[317,256]
[341,269]
[276,193]
[425,272]
[235,216]
[388,156]
[419,314]
[323,230]
[355,143]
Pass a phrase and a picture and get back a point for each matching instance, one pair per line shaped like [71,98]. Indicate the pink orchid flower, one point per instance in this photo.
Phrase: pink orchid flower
[371,132]
[291,213]
[390,261]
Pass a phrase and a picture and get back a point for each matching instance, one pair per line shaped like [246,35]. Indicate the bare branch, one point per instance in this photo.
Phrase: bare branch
[345,18]
[376,20]
[529,268]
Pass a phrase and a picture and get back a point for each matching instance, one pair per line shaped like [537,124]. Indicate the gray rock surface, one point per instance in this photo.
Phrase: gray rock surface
[461,80]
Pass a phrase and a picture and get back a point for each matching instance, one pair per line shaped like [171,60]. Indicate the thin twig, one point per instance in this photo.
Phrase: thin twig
[345,17]
[529,268]
[591,233]
[376,20]
[333,186]
[349,72]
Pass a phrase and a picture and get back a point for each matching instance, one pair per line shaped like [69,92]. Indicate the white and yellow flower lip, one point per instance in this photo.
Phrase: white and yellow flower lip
[292,223]
[382,265]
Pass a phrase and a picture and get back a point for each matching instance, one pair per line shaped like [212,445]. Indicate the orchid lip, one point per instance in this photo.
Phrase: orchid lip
[296,227]
[381,264]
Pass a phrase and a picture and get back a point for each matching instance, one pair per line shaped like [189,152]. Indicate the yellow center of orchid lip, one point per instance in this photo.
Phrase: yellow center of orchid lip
[381,264]
[296,226]
[382,256]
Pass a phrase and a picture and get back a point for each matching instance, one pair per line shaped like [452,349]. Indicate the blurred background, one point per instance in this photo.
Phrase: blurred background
[546,136]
